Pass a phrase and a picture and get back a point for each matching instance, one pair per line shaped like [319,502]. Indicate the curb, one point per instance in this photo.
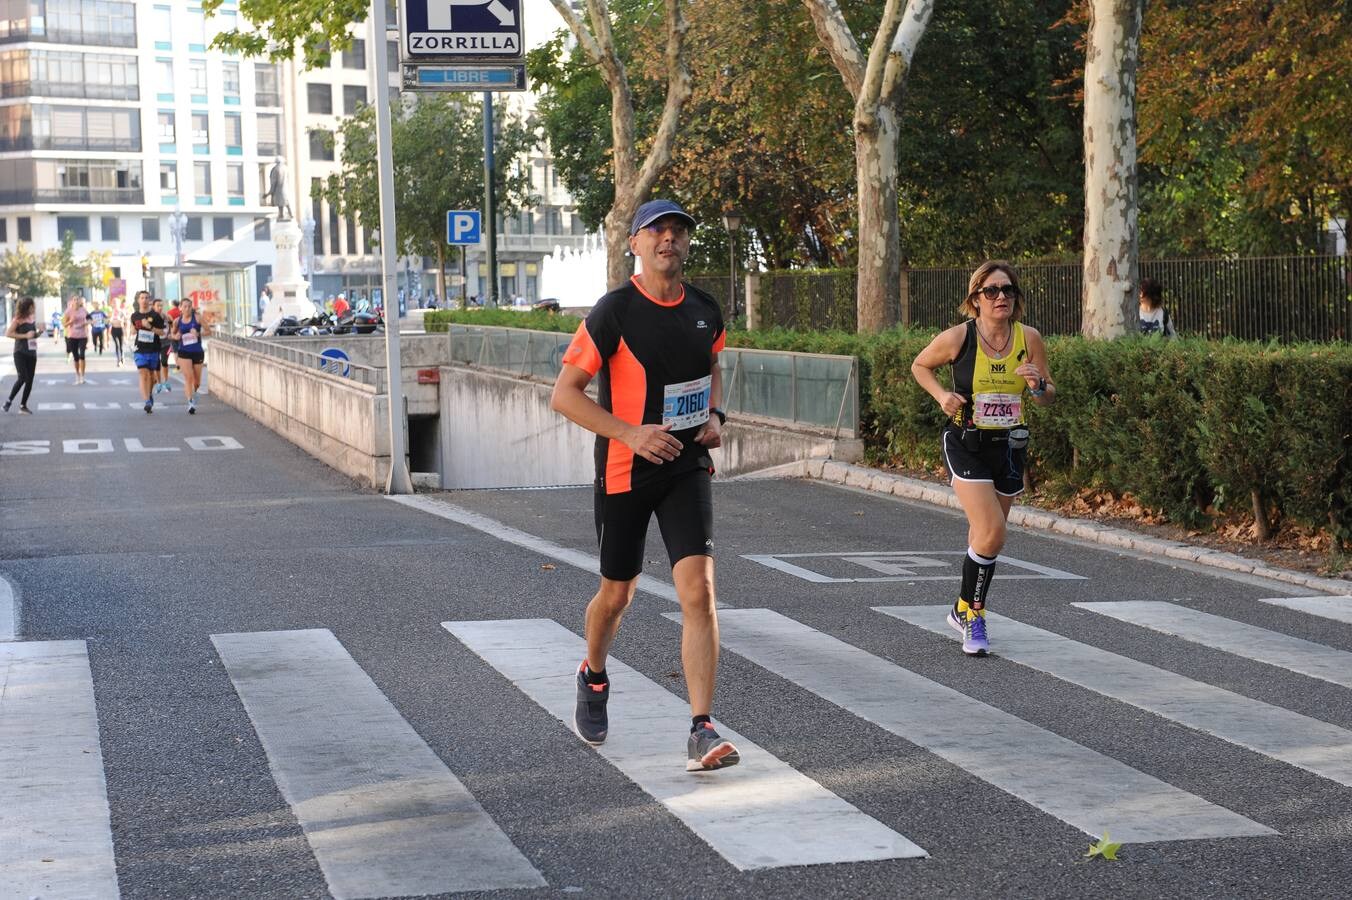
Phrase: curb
[914,489]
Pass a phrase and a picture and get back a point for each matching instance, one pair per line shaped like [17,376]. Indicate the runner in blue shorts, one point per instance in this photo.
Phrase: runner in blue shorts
[147,332]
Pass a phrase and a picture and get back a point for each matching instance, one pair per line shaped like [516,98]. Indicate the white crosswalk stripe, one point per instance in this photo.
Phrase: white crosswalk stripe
[382,813]
[413,828]
[1077,785]
[1293,738]
[1337,608]
[55,836]
[757,815]
[1281,650]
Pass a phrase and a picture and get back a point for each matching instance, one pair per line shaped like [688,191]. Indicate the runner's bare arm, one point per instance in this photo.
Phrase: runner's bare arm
[710,433]
[652,442]
[940,352]
[1036,367]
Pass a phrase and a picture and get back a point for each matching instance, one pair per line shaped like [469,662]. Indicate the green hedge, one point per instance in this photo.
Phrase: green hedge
[440,319]
[1186,426]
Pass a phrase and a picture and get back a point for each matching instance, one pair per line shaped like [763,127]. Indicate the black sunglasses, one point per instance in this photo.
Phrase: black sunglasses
[991,291]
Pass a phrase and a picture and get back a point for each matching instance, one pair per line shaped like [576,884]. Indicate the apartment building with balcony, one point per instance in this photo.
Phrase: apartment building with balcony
[115,114]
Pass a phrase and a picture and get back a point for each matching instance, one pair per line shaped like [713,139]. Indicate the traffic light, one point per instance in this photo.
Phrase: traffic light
[145,267]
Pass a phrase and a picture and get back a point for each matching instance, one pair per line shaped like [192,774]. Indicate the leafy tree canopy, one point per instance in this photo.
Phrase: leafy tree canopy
[438,166]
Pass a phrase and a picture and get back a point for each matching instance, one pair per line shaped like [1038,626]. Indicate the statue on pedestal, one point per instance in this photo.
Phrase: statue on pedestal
[279,190]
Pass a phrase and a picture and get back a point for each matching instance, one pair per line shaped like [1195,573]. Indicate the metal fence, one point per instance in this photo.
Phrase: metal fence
[804,388]
[1290,298]
[327,363]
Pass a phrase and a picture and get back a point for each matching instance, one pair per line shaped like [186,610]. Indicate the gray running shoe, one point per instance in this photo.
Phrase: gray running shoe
[589,719]
[707,751]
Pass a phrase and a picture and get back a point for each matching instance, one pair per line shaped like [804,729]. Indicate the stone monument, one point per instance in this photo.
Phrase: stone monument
[290,289]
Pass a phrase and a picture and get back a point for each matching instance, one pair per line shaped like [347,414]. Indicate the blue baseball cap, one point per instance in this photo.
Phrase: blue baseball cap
[653,210]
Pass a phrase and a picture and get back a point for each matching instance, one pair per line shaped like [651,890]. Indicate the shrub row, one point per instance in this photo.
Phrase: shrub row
[1184,425]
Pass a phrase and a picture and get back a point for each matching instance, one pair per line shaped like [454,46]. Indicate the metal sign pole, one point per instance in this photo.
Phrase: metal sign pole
[399,481]
[490,204]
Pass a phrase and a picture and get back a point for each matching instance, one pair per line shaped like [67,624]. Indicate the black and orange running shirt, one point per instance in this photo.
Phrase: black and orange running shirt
[654,359]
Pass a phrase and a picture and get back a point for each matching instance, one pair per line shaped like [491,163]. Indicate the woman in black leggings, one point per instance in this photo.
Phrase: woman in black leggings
[115,329]
[23,329]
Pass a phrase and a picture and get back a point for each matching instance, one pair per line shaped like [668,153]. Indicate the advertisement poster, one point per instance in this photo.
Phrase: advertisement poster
[207,293]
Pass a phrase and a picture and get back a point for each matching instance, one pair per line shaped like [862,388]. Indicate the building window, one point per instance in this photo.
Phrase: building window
[106,24]
[222,228]
[80,128]
[167,133]
[351,235]
[234,180]
[197,28]
[162,24]
[201,179]
[266,85]
[269,134]
[25,229]
[319,98]
[335,233]
[354,57]
[234,131]
[230,79]
[108,228]
[168,177]
[197,76]
[164,76]
[201,128]
[354,95]
[392,55]
[4,231]
[262,229]
[150,228]
[321,144]
[193,231]
[76,225]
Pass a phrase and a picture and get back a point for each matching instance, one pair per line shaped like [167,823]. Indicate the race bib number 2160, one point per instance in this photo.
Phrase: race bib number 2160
[686,405]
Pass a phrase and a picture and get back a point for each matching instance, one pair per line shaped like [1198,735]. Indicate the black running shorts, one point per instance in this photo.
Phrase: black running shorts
[76,347]
[993,462]
[685,513]
[195,357]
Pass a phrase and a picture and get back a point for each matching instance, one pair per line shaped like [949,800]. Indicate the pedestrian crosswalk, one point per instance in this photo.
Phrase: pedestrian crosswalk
[384,815]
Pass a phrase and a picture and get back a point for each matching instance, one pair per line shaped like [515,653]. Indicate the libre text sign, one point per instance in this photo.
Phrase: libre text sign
[460,30]
[462,226]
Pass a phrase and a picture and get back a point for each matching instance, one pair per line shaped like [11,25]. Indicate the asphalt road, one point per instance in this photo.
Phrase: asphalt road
[145,536]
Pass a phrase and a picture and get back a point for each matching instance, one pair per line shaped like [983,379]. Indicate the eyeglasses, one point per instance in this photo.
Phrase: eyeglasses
[677,229]
[991,291]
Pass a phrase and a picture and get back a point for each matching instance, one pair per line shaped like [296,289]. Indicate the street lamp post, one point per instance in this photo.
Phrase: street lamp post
[732,221]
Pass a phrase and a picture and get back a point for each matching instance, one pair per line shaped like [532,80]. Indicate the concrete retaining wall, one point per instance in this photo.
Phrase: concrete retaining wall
[416,351]
[499,431]
[339,422]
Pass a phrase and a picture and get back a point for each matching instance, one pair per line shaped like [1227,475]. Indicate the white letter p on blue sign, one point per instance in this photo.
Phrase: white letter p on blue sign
[462,226]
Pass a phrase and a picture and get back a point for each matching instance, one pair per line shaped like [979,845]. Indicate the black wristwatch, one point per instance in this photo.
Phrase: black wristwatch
[722,416]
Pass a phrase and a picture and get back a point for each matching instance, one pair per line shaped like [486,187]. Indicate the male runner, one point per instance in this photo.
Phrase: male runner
[655,343]
[147,330]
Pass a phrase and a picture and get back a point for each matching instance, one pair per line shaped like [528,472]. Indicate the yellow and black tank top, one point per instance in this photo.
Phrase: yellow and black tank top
[994,393]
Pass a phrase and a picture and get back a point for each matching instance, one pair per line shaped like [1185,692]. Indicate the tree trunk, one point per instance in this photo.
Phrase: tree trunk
[1262,530]
[619,266]
[879,285]
[1111,261]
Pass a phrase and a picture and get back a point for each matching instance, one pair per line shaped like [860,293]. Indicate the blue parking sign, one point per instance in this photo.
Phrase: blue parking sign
[462,226]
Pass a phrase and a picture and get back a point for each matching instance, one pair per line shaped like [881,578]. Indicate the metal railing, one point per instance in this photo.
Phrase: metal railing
[325,365]
[810,389]
[1292,298]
